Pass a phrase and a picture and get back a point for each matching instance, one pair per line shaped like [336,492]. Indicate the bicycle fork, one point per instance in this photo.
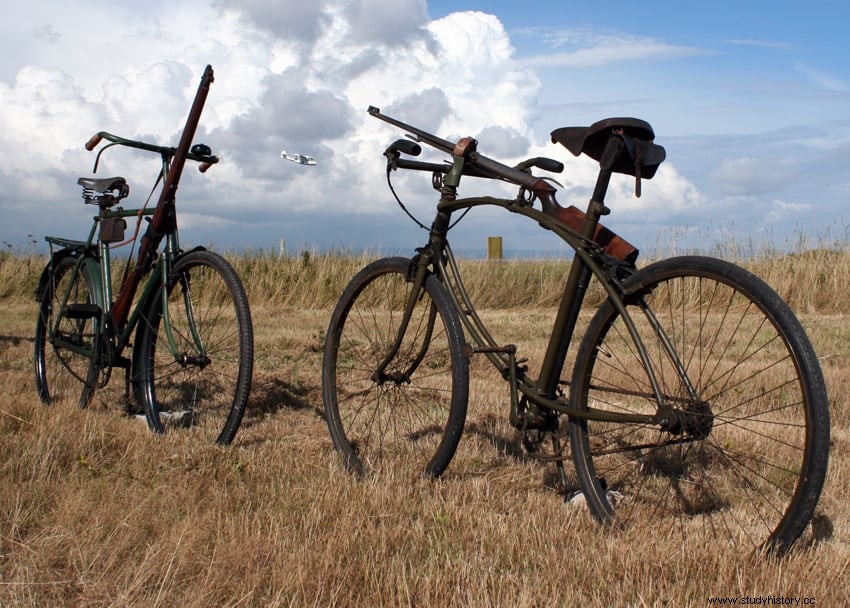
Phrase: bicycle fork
[417,274]
[185,359]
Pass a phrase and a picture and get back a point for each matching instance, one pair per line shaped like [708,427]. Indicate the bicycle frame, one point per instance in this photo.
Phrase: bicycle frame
[437,256]
[590,260]
[99,269]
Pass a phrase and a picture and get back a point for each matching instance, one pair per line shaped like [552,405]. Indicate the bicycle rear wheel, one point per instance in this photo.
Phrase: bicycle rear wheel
[65,333]
[740,452]
[410,415]
[196,368]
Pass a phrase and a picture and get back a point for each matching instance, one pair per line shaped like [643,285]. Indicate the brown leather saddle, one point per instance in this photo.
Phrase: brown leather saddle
[642,158]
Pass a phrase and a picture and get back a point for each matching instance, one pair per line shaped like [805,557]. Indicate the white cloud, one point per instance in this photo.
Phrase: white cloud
[764,44]
[753,177]
[590,49]
[783,211]
[822,80]
[299,76]
[43,110]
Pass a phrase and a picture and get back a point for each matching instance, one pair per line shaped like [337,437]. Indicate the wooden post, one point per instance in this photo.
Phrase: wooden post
[494,248]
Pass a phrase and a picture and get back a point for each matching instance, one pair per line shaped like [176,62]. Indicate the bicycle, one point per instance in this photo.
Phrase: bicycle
[695,402]
[192,354]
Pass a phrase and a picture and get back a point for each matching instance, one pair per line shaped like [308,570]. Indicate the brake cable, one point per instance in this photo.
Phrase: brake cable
[409,214]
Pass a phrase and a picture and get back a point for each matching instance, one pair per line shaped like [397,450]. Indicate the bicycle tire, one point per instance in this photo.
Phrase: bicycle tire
[61,372]
[411,418]
[744,454]
[204,385]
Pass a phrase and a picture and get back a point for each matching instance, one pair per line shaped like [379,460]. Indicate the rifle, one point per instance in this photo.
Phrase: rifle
[479,165]
[163,221]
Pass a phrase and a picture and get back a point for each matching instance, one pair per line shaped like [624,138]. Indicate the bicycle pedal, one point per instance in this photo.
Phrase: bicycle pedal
[82,311]
[122,362]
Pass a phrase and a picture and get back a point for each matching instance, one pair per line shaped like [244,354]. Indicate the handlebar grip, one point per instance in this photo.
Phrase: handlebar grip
[204,165]
[405,146]
[548,164]
[92,143]
[541,162]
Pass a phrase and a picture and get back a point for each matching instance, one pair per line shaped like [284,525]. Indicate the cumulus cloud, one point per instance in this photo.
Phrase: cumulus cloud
[753,176]
[303,21]
[503,142]
[391,23]
[299,76]
[429,107]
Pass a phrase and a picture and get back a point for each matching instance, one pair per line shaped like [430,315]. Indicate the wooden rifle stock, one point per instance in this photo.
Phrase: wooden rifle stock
[163,220]
[613,244]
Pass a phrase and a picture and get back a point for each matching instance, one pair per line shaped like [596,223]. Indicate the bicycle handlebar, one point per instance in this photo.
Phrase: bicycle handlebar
[478,165]
[206,160]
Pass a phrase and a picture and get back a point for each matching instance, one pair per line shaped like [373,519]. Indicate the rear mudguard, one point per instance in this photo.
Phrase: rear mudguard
[90,262]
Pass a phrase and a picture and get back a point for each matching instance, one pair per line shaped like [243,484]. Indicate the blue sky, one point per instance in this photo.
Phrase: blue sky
[751,100]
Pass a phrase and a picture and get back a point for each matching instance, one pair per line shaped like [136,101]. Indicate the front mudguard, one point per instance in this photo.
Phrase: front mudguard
[146,306]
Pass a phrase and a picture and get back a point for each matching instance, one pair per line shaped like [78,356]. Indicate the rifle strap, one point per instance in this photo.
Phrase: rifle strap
[135,236]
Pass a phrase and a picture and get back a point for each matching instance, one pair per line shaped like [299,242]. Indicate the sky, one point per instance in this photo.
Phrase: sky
[750,99]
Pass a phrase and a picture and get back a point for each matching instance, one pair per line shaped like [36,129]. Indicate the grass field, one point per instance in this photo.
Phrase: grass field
[96,511]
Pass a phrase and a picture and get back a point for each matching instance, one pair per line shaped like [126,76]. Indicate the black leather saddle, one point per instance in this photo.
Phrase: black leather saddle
[103,191]
[643,156]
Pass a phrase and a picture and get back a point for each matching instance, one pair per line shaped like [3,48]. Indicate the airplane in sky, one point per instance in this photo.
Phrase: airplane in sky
[301,159]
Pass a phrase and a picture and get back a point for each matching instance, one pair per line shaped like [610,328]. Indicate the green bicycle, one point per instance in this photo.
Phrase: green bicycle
[192,354]
[696,404]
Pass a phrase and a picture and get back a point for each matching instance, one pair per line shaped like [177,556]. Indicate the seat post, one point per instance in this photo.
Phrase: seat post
[596,207]
[578,279]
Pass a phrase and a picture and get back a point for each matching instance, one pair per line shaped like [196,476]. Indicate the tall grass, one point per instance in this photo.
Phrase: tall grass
[812,280]
[96,511]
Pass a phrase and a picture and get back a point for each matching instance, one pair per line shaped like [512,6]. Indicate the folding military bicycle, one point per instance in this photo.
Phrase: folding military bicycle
[696,403]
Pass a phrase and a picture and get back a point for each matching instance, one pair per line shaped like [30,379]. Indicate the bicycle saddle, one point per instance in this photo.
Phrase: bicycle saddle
[106,184]
[103,191]
[643,156]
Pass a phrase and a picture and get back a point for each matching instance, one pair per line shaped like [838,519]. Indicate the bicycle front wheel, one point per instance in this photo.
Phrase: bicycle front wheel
[197,351]
[739,447]
[409,414]
[65,333]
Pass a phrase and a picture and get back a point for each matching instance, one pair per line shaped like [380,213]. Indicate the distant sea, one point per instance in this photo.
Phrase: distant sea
[481,253]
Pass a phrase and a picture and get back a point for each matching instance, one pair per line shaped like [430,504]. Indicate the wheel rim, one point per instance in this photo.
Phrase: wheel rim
[196,374]
[394,420]
[61,373]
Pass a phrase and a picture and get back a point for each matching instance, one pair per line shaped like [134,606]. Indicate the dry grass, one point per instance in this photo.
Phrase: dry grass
[95,511]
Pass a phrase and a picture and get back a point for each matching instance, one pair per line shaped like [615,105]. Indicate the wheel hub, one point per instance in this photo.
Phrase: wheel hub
[695,419]
[187,360]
